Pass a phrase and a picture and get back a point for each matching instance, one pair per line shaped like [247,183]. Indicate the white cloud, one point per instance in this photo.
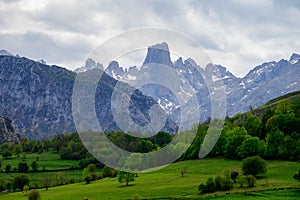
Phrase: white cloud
[236,34]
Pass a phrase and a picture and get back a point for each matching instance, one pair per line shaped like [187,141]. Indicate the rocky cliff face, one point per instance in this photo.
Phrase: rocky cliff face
[38,98]
[7,131]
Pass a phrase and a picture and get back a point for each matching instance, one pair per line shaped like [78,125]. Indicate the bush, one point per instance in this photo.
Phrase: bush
[209,187]
[254,165]
[224,182]
[241,180]
[234,175]
[251,180]
[34,195]
[202,188]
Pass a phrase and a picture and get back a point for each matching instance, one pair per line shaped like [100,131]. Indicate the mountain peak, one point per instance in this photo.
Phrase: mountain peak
[3,52]
[159,54]
[294,58]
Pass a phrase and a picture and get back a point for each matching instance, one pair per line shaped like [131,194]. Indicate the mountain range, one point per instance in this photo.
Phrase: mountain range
[38,97]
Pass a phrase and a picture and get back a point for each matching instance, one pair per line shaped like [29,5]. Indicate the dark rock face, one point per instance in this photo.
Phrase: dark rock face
[38,98]
[7,131]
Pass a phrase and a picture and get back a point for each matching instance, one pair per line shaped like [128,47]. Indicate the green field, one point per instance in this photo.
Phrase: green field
[167,183]
[50,160]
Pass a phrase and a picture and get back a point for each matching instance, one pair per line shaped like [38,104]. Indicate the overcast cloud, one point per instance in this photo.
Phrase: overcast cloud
[238,34]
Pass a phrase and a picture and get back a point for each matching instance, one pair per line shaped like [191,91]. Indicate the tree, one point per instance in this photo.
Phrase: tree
[47,181]
[88,178]
[253,126]
[90,170]
[250,147]
[106,172]
[183,170]
[125,177]
[254,165]
[275,143]
[34,165]
[20,181]
[6,154]
[235,139]
[18,149]
[297,176]
[60,178]
[23,167]
[34,195]
[7,168]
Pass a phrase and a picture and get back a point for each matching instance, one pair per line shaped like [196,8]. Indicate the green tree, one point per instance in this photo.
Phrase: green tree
[60,178]
[18,149]
[20,181]
[297,176]
[7,168]
[253,126]
[254,165]
[183,170]
[250,147]
[7,154]
[34,165]
[275,143]
[235,138]
[23,167]
[284,107]
[106,172]
[88,178]
[47,181]
[34,195]
[125,177]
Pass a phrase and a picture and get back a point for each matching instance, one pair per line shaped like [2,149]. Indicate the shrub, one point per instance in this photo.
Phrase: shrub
[251,180]
[254,165]
[241,180]
[34,195]
[234,175]
[224,182]
[202,188]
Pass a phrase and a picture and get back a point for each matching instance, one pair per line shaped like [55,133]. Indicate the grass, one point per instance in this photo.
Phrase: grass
[50,160]
[167,183]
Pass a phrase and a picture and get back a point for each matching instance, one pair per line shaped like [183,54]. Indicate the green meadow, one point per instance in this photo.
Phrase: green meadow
[167,183]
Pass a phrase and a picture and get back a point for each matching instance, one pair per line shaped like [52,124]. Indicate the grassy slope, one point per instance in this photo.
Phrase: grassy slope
[167,183]
[51,160]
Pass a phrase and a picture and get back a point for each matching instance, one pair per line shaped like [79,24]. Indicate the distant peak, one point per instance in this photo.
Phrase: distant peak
[294,58]
[3,52]
[159,54]
[163,46]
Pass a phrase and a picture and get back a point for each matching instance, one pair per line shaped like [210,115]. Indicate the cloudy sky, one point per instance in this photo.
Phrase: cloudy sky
[238,34]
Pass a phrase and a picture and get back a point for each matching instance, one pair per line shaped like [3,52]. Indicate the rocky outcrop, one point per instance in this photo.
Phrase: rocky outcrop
[7,131]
